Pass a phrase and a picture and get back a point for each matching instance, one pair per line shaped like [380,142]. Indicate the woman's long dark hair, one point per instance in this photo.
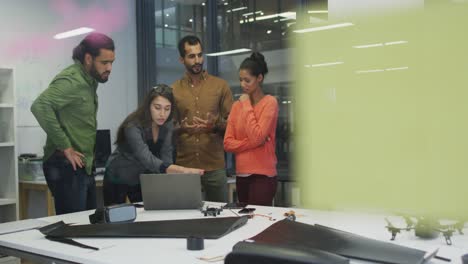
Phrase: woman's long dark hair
[142,116]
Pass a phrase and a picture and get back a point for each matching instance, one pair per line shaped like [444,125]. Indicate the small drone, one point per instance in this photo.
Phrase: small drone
[213,211]
[290,215]
[427,228]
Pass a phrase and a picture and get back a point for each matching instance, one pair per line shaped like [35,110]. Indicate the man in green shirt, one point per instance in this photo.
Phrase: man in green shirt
[66,111]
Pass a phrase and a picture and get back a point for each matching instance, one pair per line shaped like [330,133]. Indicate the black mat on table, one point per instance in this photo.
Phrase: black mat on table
[209,228]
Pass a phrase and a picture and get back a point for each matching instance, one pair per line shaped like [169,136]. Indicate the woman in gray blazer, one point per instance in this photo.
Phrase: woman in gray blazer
[144,145]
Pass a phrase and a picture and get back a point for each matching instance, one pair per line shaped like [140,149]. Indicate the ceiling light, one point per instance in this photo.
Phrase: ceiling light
[381,70]
[369,71]
[236,9]
[312,29]
[327,64]
[291,15]
[246,20]
[228,52]
[74,32]
[368,46]
[397,69]
[317,11]
[380,44]
[251,13]
[284,15]
[395,42]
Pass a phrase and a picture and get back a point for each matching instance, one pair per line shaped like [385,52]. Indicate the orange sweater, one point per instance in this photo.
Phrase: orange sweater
[250,135]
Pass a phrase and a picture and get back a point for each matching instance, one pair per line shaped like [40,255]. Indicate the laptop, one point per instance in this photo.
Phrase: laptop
[171,191]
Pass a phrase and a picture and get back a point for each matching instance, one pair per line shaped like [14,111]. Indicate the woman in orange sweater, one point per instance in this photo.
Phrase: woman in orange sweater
[250,135]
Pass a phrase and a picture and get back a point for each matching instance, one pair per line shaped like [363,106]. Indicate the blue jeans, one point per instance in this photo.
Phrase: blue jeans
[73,191]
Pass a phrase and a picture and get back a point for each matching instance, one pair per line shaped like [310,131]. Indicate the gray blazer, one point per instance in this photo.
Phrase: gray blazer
[134,156]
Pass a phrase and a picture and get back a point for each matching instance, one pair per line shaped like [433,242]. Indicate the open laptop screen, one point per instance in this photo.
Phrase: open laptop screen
[171,191]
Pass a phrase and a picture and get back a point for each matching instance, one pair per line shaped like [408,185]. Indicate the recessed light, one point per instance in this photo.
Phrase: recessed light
[228,52]
[74,32]
[312,29]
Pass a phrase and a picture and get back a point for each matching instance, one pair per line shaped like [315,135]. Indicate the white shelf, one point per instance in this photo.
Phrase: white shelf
[7,201]
[9,207]
[7,144]
[9,260]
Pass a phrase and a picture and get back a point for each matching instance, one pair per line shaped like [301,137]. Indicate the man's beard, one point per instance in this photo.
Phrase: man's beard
[193,71]
[95,74]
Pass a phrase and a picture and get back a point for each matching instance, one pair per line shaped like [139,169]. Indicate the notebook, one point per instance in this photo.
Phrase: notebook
[171,191]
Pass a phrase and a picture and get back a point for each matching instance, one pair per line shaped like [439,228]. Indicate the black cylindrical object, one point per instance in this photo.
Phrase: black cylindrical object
[465,259]
[195,243]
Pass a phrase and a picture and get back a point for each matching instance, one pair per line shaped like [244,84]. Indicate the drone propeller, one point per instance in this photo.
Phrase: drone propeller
[392,229]
[447,235]
[459,227]
[409,222]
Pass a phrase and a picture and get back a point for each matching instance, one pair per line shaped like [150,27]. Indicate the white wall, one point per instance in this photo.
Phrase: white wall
[339,9]
[27,44]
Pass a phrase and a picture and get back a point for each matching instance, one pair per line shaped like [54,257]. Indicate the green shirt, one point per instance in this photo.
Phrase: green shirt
[67,111]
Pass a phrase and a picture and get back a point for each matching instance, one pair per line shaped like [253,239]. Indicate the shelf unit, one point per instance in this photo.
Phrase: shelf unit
[9,205]
[9,260]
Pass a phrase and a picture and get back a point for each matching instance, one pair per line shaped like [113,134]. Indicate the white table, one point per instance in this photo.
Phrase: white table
[32,244]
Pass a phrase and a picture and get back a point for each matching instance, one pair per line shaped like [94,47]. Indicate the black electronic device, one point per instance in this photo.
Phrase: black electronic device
[237,205]
[465,259]
[121,213]
[27,156]
[213,211]
[103,147]
[246,210]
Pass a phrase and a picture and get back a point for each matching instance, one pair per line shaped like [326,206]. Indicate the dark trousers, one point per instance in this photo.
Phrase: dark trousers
[214,184]
[115,193]
[256,189]
[73,190]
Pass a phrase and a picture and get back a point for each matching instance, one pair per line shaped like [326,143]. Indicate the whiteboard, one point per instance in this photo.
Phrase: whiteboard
[32,77]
